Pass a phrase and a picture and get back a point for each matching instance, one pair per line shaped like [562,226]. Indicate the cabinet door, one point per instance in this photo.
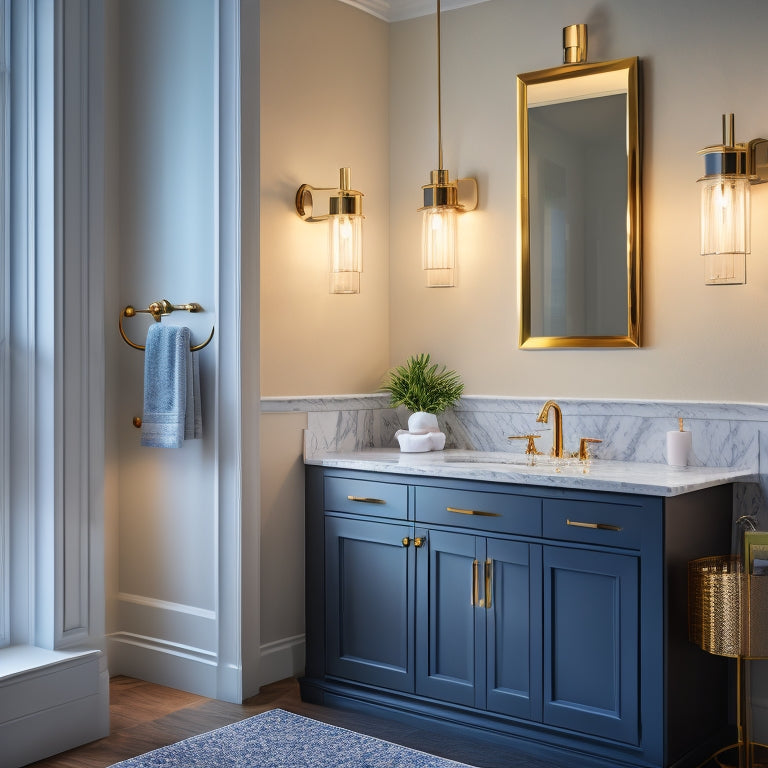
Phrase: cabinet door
[513,607]
[591,642]
[369,602]
[450,625]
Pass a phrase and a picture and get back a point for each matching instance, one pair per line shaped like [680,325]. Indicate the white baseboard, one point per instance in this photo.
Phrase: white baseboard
[282,658]
[194,669]
[53,709]
[158,661]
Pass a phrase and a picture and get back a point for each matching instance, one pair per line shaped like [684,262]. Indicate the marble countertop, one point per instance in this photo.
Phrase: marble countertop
[505,467]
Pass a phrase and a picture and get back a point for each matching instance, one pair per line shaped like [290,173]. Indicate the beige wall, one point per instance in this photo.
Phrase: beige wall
[325,104]
[321,111]
[340,87]
[699,60]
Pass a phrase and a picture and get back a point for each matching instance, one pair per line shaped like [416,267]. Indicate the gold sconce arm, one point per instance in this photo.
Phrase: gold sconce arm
[304,202]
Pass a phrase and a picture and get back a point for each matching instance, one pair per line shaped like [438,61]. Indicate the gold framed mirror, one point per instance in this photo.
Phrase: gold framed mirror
[579,198]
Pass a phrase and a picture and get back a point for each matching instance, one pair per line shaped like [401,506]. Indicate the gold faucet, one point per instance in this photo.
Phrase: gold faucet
[557,436]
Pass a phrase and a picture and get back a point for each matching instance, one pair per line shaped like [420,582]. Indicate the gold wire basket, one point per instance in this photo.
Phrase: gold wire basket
[728,616]
[727,608]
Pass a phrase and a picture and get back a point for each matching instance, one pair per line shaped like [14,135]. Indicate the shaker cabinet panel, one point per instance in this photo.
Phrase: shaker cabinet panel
[513,608]
[448,624]
[591,642]
[594,522]
[366,497]
[369,602]
[479,510]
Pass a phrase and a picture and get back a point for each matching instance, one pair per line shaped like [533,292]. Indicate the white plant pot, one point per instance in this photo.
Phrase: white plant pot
[420,423]
[423,434]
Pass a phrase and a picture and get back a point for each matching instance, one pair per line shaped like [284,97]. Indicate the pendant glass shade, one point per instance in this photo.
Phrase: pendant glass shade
[439,225]
[725,216]
[345,246]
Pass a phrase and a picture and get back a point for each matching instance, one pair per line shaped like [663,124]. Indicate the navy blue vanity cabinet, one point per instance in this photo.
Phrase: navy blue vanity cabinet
[478,600]
[479,622]
[369,602]
[551,617]
[591,612]
[369,583]
[591,642]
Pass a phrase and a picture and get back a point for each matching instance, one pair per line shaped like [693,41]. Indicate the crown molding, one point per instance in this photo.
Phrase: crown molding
[400,10]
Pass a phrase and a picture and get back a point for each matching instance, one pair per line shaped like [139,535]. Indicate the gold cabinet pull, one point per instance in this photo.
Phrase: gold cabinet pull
[598,526]
[366,500]
[475,585]
[488,578]
[419,541]
[406,541]
[478,512]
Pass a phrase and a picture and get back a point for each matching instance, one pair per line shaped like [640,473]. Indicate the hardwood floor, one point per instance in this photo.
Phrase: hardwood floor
[145,716]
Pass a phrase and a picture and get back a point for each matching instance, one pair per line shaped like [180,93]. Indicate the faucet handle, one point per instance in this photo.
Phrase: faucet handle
[530,449]
[584,454]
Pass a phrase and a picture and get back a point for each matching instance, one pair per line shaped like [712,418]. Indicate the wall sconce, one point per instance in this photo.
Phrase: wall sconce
[443,200]
[345,230]
[729,171]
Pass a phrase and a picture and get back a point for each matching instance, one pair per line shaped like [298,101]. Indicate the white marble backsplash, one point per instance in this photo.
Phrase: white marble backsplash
[724,434]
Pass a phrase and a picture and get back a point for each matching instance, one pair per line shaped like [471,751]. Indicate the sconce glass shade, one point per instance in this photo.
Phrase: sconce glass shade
[729,171]
[345,230]
[439,226]
[345,247]
[725,217]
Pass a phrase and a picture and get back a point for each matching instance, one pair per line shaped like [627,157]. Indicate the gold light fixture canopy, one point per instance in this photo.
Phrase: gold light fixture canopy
[729,171]
[345,230]
[575,44]
[443,201]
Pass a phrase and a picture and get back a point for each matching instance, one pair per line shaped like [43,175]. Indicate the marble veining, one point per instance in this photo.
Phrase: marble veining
[617,476]
[725,435]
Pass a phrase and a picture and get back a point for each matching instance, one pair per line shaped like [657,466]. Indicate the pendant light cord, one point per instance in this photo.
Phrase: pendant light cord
[439,97]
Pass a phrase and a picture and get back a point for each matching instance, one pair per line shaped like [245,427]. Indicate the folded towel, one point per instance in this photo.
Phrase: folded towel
[171,388]
[193,421]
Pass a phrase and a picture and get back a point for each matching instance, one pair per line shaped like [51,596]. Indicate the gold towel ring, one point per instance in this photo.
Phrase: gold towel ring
[157,309]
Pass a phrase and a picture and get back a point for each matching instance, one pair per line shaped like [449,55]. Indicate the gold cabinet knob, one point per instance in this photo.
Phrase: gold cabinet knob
[419,541]
[406,541]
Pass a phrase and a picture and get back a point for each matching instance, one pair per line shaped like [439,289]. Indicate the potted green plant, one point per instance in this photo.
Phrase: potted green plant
[426,389]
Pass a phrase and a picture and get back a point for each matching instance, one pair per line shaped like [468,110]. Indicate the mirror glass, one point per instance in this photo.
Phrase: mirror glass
[579,183]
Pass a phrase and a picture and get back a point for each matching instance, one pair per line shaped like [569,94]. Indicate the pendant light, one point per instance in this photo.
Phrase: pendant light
[442,204]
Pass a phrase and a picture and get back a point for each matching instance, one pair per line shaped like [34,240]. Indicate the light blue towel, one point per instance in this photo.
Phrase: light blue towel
[171,388]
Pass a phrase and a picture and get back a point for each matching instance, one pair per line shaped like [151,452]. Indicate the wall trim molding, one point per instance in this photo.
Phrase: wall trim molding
[400,10]
[510,404]
[159,645]
[165,605]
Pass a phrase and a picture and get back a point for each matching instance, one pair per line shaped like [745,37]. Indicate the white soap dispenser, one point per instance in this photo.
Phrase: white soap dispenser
[678,446]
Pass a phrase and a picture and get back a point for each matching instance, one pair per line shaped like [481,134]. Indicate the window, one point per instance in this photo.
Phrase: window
[4,320]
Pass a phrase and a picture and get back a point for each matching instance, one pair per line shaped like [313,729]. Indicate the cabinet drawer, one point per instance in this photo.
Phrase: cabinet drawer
[479,510]
[366,497]
[593,522]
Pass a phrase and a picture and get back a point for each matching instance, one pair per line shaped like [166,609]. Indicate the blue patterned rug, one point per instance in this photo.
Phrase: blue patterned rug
[279,739]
